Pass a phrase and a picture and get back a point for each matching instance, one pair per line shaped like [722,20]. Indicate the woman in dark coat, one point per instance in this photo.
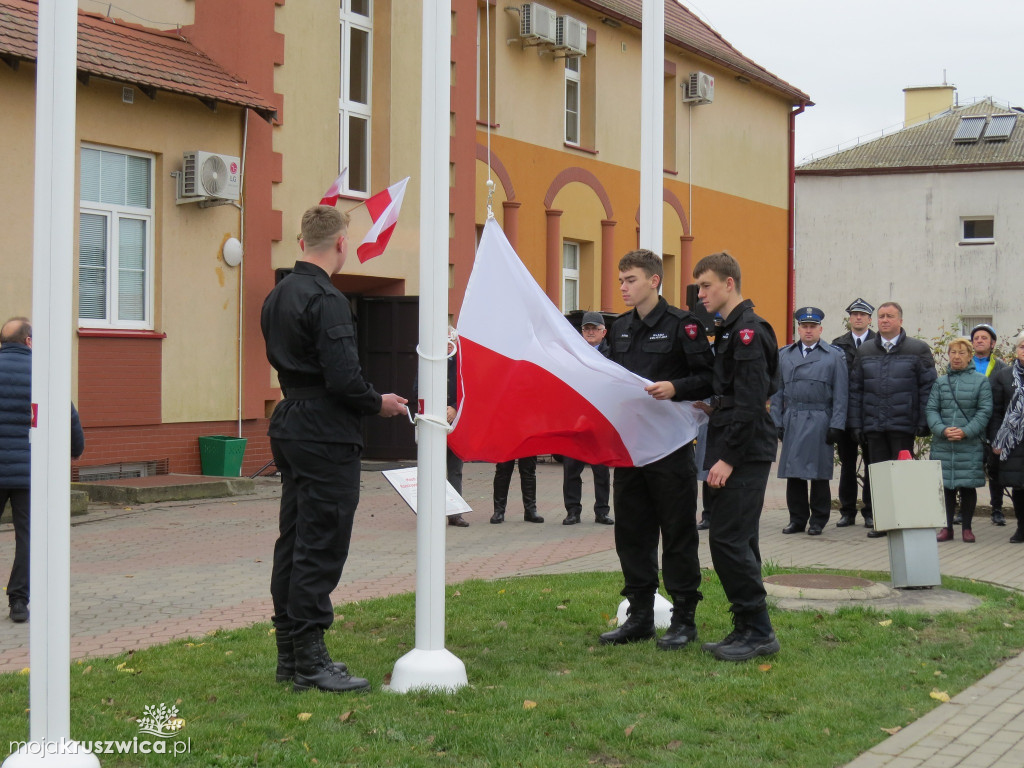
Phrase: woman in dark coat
[958,411]
[1006,431]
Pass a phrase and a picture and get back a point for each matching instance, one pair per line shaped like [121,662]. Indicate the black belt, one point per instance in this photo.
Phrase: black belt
[305,393]
[721,402]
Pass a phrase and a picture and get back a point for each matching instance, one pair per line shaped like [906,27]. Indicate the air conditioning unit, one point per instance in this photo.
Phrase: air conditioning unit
[537,23]
[571,36]
[209,176]
[700,89]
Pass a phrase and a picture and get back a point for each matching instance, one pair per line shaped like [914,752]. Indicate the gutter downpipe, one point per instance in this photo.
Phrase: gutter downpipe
[791,235]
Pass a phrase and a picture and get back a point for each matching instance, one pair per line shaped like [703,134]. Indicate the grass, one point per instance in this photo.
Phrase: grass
[839,680]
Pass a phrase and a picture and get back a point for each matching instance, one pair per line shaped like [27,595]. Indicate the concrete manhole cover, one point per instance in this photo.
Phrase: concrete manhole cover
[824,586]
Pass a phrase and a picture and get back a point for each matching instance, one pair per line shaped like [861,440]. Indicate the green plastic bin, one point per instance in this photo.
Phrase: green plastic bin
[221,455]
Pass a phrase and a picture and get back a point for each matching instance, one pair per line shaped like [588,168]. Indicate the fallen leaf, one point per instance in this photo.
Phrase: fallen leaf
[501,625]
[939,673]
[87,670]
[228,653]
[345,716]
[826,731]
[939,695]
[273,630]
[387,679]
[885,623]
[1008,626]
[562,672]
[24,671]
[560,607]
[304,716]
[629,729]
[675,744]
[546,590]
[456,593]
[501,591]
[129,576]
[765,667]
[430,739]
[529,704]
[893,731]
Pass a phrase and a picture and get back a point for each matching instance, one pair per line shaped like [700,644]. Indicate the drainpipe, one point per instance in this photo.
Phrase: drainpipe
[790,265]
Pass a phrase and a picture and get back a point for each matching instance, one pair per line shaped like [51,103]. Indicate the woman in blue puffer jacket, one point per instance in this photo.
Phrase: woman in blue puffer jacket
[958,411]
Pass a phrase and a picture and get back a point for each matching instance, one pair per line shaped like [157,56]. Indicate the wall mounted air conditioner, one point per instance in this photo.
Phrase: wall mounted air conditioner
[700,89]
[209,176]
[537,23]
[571,36]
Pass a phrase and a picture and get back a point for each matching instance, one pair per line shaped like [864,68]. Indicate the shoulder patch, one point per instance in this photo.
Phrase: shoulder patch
[691,330]
[746,335]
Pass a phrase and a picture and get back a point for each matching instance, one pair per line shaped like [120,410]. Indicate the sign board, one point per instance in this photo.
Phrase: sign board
[404,481]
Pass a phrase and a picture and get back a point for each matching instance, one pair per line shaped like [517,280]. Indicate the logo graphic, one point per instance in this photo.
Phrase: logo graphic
[234,167]
[162,721]
[691,330]
[747,335]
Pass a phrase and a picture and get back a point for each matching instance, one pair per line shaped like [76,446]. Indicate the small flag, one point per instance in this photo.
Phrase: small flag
[331,195]
[383,208]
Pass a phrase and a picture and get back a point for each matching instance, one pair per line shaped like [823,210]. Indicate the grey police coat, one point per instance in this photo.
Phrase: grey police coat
[811,399]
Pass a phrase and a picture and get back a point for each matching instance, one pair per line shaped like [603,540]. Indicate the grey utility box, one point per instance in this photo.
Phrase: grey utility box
[907,501]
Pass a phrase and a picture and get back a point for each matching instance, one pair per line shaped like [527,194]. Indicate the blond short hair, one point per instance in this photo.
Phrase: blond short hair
[960,341]
[321,224]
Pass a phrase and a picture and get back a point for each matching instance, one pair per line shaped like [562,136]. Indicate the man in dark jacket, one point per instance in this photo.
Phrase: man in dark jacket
[889,386]
[316,439]
[860,332]
[667,346]
[741,448]
[15,452]
[983,339]
[593,331]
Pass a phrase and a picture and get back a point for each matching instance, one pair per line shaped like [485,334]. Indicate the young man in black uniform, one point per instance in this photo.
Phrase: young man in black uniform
[316,440]
[666,345]
[741,448]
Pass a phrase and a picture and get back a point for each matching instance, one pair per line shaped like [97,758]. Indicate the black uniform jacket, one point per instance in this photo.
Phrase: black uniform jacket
[668,344]
[849,347]
[746,360]
[311,342]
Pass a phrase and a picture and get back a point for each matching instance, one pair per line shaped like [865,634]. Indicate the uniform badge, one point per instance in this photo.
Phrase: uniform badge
[747,335]
[691,330]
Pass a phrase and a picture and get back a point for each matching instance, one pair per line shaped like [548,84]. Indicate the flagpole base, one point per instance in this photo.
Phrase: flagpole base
[662,612]
[63,753]
[419,669]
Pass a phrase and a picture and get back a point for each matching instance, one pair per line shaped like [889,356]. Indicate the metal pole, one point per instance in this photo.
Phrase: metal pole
[652,124]
[52,270]
[429,664]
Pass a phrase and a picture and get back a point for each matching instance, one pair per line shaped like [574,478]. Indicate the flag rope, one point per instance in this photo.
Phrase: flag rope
[490,181]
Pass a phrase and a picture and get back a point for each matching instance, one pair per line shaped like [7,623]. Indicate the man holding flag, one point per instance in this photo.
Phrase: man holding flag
[667,346]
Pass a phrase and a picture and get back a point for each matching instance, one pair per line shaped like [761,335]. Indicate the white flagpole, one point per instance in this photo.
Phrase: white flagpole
[429,664]
[652,125]
[52,265]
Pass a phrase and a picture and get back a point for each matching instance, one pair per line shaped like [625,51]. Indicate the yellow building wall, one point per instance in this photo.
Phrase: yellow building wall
[157,14]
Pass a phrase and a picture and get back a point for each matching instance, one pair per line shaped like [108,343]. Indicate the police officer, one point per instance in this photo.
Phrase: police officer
[316,440]
[809,410]
[667,346]
[741,448]
[859,313]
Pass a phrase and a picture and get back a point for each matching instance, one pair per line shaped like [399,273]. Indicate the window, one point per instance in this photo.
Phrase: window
[115,240]
[972,321]
[978,230]
[570,276]
[356,18]
[572,100]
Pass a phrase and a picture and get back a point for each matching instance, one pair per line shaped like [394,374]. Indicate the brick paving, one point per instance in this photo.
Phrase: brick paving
[155,572]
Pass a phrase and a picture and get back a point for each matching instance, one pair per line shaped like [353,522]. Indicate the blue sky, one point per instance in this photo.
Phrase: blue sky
[855,58]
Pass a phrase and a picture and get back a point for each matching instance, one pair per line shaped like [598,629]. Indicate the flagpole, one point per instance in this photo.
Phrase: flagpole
[429,664]
[50,519]
[652,126]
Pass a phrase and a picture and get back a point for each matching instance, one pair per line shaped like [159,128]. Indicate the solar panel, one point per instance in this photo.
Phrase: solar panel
[1000,128]
[970,129]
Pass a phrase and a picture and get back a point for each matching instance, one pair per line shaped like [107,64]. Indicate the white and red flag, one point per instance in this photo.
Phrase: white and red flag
[529,384]
[383,208]
[331,195]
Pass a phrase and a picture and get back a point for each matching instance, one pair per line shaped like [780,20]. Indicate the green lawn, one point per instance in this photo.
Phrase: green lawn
[838,682]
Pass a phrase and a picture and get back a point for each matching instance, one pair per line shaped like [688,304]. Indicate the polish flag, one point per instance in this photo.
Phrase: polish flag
[383,208]
[531,385]
[331,195]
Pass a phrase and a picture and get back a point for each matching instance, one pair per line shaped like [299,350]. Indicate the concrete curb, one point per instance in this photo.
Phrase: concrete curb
[123,494]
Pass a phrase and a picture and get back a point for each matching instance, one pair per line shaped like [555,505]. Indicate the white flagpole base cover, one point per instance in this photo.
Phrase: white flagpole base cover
[662,612]
[440,670]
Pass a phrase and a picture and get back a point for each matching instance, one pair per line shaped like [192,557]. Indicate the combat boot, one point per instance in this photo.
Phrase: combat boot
[683,629]
[314,668]
[756,639]
[638,626]
[286,658]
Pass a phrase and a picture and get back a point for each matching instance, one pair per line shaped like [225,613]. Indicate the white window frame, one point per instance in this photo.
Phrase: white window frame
[570,275]
[114,214]
[964,240]
[572,78]
[349,21]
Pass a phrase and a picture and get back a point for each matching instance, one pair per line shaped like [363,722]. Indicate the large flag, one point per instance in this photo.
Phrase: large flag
[383,208]
[531,385]
[331,195]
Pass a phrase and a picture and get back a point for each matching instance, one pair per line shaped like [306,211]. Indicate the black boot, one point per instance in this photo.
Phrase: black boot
[737,629]
[286,658]
[683,629]
[638,626]
[571,518]
[756,639]
[528,482]
[314,668]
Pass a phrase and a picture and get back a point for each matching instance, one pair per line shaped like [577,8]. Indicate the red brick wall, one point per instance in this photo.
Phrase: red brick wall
[119,381]
[177,442]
